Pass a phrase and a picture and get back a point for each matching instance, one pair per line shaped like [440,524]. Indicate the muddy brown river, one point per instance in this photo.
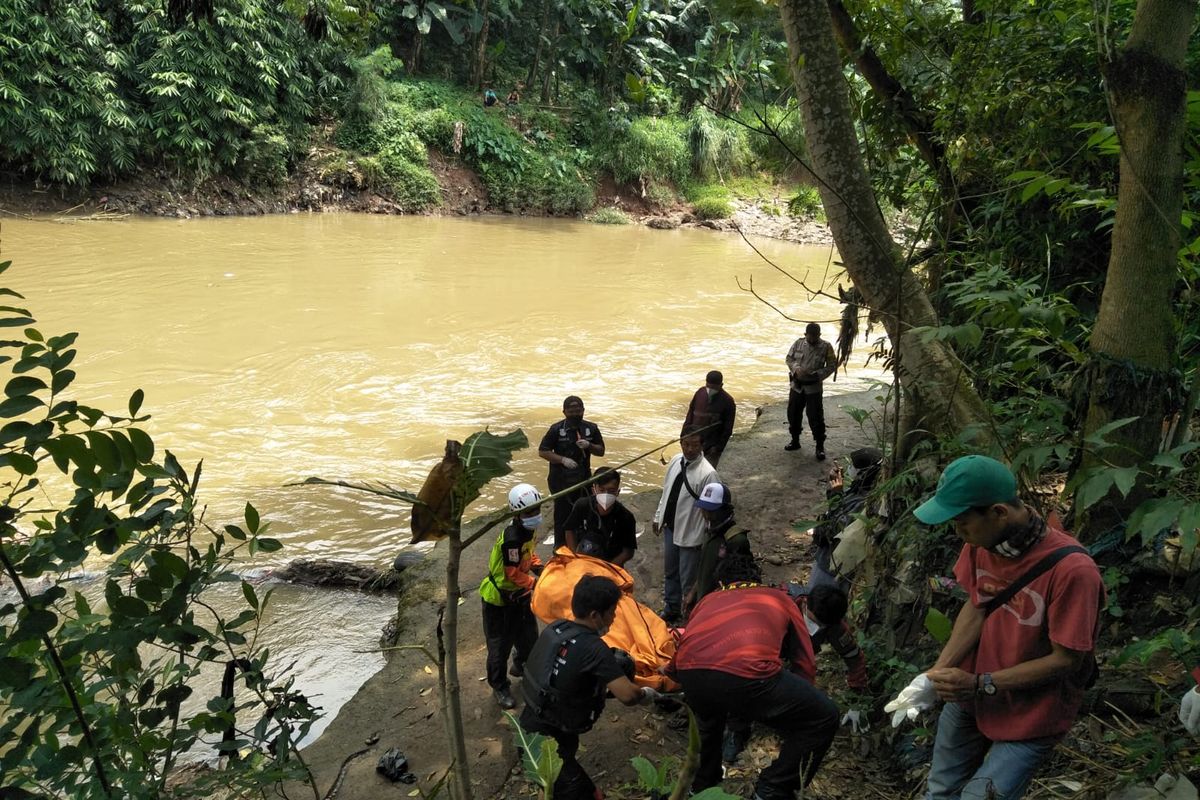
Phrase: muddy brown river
[352,346]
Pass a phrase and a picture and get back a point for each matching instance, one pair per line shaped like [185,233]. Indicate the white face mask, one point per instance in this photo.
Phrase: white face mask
[605,500]
[813,628]
[711,392]
[531,523]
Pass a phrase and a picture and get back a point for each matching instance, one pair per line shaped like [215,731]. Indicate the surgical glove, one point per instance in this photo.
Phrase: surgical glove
[569,463]
[583,444]
[1189,712]
[650,695]
[918,696]
[856,720]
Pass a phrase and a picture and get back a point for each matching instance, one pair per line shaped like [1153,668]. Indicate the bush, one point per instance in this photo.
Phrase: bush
[786,122]
[652,149]
[609,216]
[718,147]
[806,203]
[660,194]
[266,157]
[713,208]
[413,185]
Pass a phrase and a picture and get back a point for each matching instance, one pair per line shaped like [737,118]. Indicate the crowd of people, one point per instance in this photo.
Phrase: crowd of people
[1011,675]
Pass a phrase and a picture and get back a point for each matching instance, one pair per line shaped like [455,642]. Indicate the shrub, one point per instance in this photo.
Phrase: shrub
[806,203]
[370,172]
[652,149]
[609,216]
[413,185]
[369,87]
[660,194]
[786,122]
[266,157]
[717,146]
[713,208]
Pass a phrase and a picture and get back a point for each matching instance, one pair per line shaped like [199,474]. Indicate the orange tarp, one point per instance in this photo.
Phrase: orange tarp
[637,630]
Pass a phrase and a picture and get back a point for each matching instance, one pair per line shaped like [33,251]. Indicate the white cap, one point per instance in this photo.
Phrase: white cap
[715,496]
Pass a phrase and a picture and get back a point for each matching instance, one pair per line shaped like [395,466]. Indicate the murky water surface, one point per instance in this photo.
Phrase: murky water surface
[352,346]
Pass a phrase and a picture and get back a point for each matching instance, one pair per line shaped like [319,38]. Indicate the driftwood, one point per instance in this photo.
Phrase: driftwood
[345,575]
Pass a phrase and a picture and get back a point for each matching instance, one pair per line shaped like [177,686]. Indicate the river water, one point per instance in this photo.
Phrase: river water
[353,346]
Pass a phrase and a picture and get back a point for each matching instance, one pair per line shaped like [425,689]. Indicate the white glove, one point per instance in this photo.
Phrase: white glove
[1189,712]
[650,695]
[569,463]
[918,696]
[856,720]
[583,444]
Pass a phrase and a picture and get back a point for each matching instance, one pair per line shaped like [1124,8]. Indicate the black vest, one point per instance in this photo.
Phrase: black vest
[569,712]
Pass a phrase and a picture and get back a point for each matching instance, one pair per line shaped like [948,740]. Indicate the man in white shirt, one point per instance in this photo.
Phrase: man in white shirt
[681,522]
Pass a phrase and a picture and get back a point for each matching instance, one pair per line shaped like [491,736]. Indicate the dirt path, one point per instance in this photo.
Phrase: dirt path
[399,704]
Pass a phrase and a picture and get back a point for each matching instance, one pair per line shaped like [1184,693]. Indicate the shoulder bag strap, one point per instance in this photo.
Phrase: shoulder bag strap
[1047,563]
[686,485]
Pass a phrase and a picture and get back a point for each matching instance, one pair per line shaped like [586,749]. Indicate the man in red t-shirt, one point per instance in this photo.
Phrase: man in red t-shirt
[1012,678]
[731,662]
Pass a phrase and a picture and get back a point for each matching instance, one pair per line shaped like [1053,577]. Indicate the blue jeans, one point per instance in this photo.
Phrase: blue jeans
[680,565]
[969,766]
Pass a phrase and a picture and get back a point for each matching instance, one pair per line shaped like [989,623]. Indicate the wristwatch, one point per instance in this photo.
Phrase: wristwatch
[984,682]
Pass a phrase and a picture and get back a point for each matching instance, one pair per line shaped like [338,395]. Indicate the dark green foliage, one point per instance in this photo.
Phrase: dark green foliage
[92,691]
[93,88]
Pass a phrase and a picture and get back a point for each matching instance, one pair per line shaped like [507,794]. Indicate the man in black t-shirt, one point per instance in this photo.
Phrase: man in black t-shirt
[569,446]
[599,525]
[566,676]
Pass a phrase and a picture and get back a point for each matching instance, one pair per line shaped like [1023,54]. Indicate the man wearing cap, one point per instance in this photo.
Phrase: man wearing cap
[569,446]
[681,521]
[809,361]
[711,412]
[1012,673]
[720,540]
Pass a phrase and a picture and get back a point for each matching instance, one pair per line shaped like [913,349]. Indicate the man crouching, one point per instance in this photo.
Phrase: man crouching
[566,676]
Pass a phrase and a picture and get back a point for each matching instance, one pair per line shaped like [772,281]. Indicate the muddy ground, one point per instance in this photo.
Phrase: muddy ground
[398,706]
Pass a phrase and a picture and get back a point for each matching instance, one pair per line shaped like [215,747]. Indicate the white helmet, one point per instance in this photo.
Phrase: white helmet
[523,495]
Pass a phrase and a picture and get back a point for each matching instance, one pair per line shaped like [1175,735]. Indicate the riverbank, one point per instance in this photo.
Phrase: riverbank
[160,194]
[397,707]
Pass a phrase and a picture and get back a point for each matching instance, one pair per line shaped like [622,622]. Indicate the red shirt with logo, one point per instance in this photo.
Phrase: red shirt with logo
[746,631]
[1061,606]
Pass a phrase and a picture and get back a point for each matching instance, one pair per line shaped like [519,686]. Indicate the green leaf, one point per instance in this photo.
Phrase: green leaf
[61,380]
[938,625]
[251,519]
[1153,516]
[105,452]
[269,545]
[485,456]
[1094,488]
[250,595]
[236,532]
[647,772]
[1096,437]
[35,623]
[16,406]
[143,445]
[23,464]
[23,385]
[135,402]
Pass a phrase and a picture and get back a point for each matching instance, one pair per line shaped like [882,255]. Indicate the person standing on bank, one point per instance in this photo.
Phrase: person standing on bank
[809,361]
[506,590]
[1014,669]
[681,522]
[599,525]
[730,662]
[566,678]
[569,446]
[711,412]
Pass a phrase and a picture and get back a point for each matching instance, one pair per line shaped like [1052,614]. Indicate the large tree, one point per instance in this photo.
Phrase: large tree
[1133,345]
[937,395]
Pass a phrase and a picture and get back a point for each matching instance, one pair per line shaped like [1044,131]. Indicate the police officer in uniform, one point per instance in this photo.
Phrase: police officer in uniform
[569,446]
[513,567]
[567,675]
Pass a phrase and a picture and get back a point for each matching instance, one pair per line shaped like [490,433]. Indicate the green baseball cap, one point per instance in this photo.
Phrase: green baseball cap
[968,482]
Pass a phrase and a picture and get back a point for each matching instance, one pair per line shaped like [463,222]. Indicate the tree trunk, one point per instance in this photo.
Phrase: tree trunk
[537,53]
[933,380]
[414,65]
[1133,344]
[451,689]
[480,68]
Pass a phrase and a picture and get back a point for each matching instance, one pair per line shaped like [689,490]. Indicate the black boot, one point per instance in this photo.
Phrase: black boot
[821,450]
[794,445]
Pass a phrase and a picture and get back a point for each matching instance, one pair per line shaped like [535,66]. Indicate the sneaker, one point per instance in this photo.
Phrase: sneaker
[794,445]
[504,699]
[517,670]
[732,746]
